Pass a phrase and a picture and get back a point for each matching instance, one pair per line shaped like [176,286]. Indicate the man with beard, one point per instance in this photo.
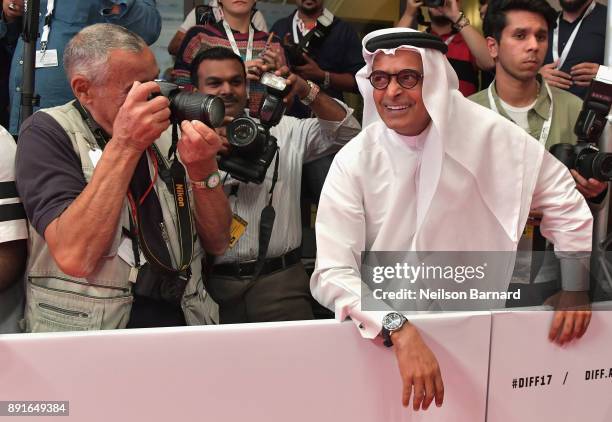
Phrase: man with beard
[467,49]
[576,45]
[261,278]
[333,60]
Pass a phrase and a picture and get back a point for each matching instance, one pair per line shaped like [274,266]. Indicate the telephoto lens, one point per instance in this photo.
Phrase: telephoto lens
[192,105]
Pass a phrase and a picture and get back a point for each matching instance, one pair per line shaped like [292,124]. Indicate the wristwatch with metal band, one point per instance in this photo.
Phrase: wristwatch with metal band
[392,322]
[461,23]
[210,182]
[312,94]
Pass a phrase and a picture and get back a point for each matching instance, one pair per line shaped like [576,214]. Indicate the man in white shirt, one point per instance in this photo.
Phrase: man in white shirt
[280,291]
[13,239]
[432,171]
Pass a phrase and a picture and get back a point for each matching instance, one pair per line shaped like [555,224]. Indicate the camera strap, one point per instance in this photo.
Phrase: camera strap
[147,226]
[299,29]
[175,178]
[266,224]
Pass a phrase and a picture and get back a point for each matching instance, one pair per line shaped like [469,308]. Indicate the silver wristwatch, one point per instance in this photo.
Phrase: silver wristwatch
[393,321]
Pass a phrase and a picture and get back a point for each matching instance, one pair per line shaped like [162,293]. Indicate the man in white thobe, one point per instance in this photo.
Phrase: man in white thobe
[432,171]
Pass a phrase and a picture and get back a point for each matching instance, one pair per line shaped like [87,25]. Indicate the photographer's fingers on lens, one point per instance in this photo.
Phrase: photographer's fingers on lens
[209,135]
[140,92]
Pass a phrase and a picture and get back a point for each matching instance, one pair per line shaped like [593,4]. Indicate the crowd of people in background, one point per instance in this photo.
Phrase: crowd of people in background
[90,253]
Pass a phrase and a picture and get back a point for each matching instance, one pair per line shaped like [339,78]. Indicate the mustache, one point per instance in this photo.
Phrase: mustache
[230,98]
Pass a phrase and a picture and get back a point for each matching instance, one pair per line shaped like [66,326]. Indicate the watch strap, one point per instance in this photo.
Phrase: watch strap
[210,182]
[461,22]
[312,94]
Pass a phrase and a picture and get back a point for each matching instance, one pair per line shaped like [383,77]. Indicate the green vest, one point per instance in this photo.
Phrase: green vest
[103,300]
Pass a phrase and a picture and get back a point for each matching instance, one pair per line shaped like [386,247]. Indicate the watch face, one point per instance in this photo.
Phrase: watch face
[213,180]
[393,321]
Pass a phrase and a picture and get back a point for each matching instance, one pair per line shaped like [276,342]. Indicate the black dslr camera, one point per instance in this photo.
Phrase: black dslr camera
[253,148]
[314,37]
[585,157]
[433,3]
[186,105]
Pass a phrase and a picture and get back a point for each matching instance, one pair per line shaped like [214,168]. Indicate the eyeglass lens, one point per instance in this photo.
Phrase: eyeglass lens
[407,78]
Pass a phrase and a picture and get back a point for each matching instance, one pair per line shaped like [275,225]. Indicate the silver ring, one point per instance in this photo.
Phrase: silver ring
[12,6]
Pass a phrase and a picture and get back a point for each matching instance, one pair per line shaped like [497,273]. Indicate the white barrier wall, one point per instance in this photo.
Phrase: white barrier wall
[534,380]
[299,371]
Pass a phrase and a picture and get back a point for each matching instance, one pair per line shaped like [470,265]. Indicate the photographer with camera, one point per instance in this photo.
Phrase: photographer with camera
[236,31]
[261,277]
[120,225]
[467,49]
[320,47]
[517,38]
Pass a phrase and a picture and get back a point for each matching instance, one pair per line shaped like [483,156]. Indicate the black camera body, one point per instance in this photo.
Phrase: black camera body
[433,3]
[185,105]
[314,37]
[252,146]
[585,157]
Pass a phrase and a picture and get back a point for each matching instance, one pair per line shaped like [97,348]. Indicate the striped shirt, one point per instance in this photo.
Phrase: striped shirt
[12,227]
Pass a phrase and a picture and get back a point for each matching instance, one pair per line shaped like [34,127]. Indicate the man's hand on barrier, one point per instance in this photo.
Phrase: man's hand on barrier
[572,316]
[141,121]
[418,367]
[198,149]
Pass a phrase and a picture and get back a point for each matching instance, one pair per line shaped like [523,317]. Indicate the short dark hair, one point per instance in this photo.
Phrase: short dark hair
[495,19]
[215,53]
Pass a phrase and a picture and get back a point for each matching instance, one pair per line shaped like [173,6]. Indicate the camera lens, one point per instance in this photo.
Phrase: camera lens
[242,132]
[196,106]
[602,167]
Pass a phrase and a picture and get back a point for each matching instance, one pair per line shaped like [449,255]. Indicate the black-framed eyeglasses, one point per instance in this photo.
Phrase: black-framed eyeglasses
[407,78]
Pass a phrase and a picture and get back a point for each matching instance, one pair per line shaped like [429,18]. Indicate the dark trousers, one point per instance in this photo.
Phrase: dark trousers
[279,296]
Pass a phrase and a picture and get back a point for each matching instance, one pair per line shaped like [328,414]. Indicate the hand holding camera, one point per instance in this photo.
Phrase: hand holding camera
[310,70]
[448,8]
[252,146]
[139,121]
[198,149]
[412,6]
[295,84]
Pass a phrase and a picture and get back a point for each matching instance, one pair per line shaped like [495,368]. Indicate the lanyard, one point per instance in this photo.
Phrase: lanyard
[298,28]
[449,39]
[545,127]
[44,39]
[570,41]
[232,40]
